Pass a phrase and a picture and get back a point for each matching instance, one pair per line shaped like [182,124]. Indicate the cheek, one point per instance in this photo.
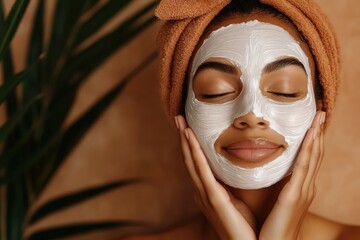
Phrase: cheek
[207,120]
[291,120]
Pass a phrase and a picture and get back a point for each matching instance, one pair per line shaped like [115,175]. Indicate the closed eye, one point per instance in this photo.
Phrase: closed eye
[210,96]
[287,95]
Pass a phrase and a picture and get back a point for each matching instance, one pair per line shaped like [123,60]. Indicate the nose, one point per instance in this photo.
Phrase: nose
[249,120]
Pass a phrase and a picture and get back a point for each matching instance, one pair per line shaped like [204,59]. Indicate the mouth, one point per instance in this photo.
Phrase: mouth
[253,150]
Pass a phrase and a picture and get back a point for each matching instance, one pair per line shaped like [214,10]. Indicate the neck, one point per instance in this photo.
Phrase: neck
[260,201]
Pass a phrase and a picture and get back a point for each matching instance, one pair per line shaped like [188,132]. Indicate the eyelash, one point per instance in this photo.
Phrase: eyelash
[209,96]
[287,95]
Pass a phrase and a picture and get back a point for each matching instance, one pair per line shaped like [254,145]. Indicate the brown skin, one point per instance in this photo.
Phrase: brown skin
[279,211]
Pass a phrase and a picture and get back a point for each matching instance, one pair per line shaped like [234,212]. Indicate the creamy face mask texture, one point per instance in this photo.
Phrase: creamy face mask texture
[250,46]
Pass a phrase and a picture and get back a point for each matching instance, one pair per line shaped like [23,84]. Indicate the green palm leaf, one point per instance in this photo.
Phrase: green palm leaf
[11,24]
[32,84]
[16,149]
[65,24]
[79,228]
[34,140]
[105,13]
[16,210]
[60,203]
[9,86]
[80,66]
[14,120]
[77,130]
[25,162]
[8,71]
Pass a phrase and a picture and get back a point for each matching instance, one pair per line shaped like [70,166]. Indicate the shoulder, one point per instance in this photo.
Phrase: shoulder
[316,227]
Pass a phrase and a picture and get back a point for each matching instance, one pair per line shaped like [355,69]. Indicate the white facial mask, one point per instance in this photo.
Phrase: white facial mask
[250,46]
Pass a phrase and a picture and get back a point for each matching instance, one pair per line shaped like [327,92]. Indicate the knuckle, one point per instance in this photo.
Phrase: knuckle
[303,167]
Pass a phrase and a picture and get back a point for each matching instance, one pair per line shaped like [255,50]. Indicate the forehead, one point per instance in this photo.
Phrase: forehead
[261,17]
[249,43]
[256,15]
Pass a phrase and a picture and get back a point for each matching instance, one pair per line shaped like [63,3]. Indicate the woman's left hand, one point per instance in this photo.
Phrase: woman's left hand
[285,219]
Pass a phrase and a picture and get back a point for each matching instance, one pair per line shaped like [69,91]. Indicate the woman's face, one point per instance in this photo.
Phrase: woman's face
[250,99]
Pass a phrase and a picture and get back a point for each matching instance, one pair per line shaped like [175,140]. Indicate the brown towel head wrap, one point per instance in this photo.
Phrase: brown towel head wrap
[186,20]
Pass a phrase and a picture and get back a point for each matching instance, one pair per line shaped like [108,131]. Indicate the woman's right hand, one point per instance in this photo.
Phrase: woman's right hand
[229,216]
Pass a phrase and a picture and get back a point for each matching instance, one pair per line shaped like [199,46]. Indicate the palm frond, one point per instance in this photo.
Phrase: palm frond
[79,228]
[72,199]
[8,29]
[34,141]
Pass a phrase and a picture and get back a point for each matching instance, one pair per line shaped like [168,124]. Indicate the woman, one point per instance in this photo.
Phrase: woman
[261,80]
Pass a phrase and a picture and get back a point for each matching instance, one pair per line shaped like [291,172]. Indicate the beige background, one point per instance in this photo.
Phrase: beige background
[134,139]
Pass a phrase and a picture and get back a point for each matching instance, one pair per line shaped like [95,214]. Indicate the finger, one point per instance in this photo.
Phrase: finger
[312,185]
[315,155]
[321,144]
[308,186]
[302,162]
[301,165]
[318,153]
[181,123]
[201,165]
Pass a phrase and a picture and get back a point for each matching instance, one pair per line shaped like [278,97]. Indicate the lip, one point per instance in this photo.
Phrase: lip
[252,150]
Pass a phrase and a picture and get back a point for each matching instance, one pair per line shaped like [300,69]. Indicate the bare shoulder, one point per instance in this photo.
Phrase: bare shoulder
[316,227]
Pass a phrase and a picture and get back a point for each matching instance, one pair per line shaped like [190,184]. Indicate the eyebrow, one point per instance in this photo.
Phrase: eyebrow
[281,63]
[222,67]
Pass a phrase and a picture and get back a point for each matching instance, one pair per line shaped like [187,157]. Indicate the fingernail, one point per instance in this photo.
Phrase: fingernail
[323,117]
[176,122]
[315,132]
[186,134]
[320,118]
